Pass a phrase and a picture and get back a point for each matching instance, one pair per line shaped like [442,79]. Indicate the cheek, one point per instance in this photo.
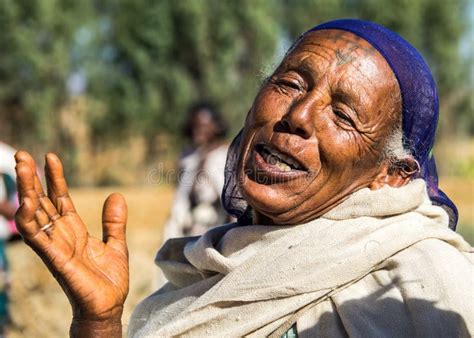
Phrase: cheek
[343,153]
[337,147]
[269,106]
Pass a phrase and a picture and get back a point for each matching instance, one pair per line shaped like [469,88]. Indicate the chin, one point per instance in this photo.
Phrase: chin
[275,201]
[293,202]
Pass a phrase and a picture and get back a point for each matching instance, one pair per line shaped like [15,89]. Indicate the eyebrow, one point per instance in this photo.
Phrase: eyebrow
[308,72]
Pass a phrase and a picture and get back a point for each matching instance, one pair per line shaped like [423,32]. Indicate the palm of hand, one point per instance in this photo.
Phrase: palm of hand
[93,273]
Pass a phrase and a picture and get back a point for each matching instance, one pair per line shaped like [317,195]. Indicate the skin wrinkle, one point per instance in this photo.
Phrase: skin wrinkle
[303,91]
[367,78]
[363,127]
[347,87]
[303,68]
[326,50]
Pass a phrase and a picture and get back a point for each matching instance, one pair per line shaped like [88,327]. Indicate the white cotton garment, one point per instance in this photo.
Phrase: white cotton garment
[382,263]
[202,172]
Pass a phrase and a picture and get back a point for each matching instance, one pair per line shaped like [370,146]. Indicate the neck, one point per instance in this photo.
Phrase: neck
[261,219]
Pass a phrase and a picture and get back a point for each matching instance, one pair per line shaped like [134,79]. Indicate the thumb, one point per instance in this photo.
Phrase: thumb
[114,221]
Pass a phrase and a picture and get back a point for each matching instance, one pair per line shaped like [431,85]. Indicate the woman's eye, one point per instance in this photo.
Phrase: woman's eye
[291,84]
[343,117]
[288,83]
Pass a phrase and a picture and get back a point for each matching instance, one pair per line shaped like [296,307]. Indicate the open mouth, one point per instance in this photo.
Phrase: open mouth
[273,166]
[277,159]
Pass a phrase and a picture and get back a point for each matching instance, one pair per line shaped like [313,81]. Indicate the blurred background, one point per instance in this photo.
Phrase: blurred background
[106,85]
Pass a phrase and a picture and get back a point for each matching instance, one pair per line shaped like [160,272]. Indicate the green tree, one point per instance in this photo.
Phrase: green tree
[34,66]
[166,54]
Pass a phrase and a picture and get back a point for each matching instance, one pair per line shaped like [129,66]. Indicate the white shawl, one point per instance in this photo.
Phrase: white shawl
[258,280]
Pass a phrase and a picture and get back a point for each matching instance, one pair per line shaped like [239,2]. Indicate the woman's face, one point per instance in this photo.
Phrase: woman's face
[204,128]
[317,128]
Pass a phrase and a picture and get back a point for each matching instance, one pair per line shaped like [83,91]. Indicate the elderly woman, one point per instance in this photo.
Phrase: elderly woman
[342,229]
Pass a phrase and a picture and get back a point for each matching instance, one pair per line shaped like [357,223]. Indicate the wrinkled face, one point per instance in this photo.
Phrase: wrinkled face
[317,128]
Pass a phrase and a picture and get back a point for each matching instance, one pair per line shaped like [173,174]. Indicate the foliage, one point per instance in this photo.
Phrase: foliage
[168,54]
[34,65]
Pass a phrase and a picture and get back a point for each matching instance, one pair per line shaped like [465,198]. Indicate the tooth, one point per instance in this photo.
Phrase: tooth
[290,161]
[284,158]
[283,166]
[282,161]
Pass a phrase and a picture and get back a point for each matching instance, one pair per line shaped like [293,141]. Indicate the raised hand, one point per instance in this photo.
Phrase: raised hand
[93,273]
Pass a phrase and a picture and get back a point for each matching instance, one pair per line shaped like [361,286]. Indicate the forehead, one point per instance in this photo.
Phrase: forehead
[337,49]
[335,38]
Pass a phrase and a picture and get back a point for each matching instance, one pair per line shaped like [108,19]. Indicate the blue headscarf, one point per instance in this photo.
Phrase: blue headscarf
[420,110]
[420,107]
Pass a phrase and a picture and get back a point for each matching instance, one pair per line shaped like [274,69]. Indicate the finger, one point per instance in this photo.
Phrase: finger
[25,182]
[29,184]
[114,220]
[42,217]
[49,208]
[23,156]
[57,187]
[28,226]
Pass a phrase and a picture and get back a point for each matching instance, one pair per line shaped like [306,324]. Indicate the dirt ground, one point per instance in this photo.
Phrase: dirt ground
[38,307]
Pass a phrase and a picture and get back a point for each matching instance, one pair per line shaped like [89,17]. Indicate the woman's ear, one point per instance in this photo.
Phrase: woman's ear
[396,173]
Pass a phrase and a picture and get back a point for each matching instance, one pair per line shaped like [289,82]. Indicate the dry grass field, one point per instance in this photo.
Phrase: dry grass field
[38,306]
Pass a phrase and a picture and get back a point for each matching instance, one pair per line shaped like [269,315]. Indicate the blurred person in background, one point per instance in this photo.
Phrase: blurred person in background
[197,204]
[8,207]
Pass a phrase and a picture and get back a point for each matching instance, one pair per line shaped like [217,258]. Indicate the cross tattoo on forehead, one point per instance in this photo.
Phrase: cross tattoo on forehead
[353,44]
[344,57]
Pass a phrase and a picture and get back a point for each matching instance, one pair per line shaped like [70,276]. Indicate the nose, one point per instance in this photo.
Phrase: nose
[299,120]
